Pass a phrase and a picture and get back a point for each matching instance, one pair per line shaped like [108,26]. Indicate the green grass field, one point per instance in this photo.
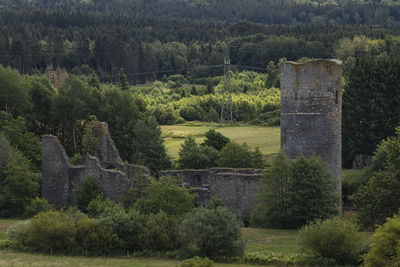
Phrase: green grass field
[283,241]
[267,139]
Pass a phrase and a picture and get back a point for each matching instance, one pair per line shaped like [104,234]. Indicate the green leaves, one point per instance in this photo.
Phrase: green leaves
[295,193]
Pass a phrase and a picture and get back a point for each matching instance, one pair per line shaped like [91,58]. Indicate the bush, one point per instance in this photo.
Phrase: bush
[93,239]
[167,196]
[51,231]
[193,156]
[211,233]
[36,206]
[98,205]
[385,246]
[127,225]
[197,262]
[234,155]
[215,140]
[160,232]
[296,193]
[335,238]
[87,191]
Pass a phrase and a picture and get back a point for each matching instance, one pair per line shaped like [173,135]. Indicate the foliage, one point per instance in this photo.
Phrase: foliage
[166,195]
[378,199]
[335,238]
[14,98]
[94,239]
[197,262]
[385,248]
[99,205]
[271,258]
[370,118]
[51,232]
[160,232]
[89,142]
[36,206]
[211,233]
[234,155]
[193,156]
[272,207]
[215,139]
[66,232]
[19,187]
[88,190]
[128,226]
[352,179]
[147,146]
[296,193]
[16,131]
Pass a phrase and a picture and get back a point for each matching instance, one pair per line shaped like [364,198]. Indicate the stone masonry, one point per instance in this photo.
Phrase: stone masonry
[311,112]
[61,180]
[237,188]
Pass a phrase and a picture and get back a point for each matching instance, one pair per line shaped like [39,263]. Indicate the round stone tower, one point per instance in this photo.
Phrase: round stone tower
[311,112]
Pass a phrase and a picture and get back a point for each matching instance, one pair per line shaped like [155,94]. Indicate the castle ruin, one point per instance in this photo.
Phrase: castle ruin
[311,112]
[311,101]
[236,188]
[61,180]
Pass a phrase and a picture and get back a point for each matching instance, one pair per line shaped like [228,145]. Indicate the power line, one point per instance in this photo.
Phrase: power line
[226,108]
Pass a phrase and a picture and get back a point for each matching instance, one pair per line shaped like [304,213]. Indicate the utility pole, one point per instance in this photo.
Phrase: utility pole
[226,108]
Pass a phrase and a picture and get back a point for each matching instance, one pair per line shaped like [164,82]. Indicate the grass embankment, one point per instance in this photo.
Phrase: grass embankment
[282,241]
[267,139]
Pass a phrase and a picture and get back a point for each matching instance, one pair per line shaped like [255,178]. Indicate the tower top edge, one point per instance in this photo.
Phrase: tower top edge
[311,61]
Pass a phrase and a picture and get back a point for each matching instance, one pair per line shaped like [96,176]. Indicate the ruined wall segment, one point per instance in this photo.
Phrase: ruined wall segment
[61,180]
[311,111]
[237,188]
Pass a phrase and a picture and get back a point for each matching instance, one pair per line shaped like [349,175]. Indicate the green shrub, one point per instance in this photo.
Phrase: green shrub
[87,191]
[193,156]
[160,232]
[335,238]
[98,205]
[167,196]
[211,233]
[197,262]
[234,155]
[351,181]
[127,225]
[93,239]
[379,198]
[215,139]
[36,206]
[271,258]
[385,246]
[51,231]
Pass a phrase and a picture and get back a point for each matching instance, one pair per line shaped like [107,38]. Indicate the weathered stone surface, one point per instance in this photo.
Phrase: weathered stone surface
[311,112]
[237,188]
[61,180]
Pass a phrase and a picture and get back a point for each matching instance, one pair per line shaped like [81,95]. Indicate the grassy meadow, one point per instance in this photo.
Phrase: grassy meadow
[267,139]
[282,241]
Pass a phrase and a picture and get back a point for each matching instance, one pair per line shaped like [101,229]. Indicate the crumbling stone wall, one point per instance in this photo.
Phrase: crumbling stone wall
[61,180]
[237,188]
[311,112]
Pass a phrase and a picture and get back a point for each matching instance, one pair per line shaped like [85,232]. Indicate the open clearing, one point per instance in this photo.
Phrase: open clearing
[283,241]
[267,139]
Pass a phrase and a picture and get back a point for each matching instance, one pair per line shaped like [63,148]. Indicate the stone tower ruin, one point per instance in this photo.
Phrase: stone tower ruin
[311,112]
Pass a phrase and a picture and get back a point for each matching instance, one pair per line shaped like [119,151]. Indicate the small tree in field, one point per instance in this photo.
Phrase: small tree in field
[215,139]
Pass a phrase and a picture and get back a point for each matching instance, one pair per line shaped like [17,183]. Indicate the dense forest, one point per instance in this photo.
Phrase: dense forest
[150,39]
